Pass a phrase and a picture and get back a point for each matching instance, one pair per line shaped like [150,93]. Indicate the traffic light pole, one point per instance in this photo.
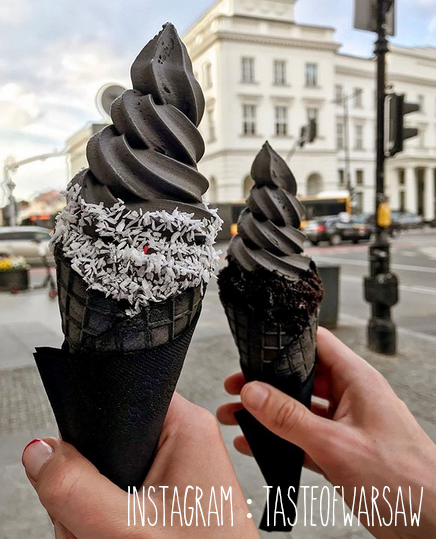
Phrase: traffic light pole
[381,288]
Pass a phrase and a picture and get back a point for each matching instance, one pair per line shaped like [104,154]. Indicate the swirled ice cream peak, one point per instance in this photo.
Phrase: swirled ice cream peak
[268,229]
[148,157]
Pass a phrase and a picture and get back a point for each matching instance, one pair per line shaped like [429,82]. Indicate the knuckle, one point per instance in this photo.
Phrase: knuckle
[205,416]
[376,378]
[207,422]
[289,416]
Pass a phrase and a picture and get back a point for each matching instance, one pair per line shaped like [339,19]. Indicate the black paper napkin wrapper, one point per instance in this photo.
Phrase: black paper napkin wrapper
[111,407]
[280,461]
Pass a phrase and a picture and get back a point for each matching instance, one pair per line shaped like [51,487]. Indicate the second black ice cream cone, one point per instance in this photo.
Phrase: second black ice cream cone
[271,293]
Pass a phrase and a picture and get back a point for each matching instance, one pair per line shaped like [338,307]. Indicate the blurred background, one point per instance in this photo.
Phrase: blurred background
[297,73]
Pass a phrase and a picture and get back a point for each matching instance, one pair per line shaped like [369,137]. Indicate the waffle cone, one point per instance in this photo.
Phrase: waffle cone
[270,352]
[92,322]
[273,355]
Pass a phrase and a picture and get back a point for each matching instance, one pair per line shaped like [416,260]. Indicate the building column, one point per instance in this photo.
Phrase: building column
[394,188]
[429,194]
[411,195]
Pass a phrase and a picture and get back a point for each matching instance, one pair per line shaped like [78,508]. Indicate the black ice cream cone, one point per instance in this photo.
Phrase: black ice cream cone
[111,383]
[271,355]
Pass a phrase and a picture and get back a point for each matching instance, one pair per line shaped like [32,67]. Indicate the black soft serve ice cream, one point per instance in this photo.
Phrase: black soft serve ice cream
[148,156]
[135,227]
[267,271]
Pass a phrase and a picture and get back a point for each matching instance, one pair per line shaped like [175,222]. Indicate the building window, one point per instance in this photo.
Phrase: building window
[311,75]
[207,69]
[312,114]
[211,124]
[421,102]
[339,93]
[358,145]
[280,72]
[359,177]
[358,101]
[248,70]
[340,142]
[341,173]
[281,121]
[249,119]
[401,177]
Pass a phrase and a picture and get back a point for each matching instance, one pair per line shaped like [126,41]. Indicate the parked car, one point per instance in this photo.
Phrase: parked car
[30,242]
[335,230]
[369,219]
[407,220]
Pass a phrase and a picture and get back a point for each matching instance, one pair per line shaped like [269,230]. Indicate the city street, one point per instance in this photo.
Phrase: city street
[31,319]
[414,261]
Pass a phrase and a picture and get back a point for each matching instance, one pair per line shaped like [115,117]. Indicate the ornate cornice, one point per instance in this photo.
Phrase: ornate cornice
[354,71]
[220,36]
[401,77]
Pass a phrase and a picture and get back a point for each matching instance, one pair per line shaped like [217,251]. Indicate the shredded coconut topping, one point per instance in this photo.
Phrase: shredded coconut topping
[137,256]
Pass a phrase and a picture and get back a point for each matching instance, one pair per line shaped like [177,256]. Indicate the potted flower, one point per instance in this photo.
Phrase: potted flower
[14,273]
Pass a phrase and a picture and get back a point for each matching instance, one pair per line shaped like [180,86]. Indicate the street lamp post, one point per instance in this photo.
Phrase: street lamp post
[344,101]
[381,288]
[9,187]
[10,165]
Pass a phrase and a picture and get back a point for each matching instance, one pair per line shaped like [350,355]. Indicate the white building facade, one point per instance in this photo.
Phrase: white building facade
[264,76]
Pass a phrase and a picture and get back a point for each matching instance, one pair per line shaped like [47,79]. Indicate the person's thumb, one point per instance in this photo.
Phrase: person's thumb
[285,416]
[73,491]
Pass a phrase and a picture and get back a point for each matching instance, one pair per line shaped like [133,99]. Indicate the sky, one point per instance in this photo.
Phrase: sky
[56,54]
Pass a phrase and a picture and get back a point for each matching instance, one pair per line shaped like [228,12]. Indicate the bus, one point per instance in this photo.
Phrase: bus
[324,204]
[321,205]
[45,220]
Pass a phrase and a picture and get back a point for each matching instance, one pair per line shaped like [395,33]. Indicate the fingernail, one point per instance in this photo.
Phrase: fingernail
[254,395]
[35,455]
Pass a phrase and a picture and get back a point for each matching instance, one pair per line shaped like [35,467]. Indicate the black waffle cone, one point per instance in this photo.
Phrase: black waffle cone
[92,322]
[112,406]
[270,354]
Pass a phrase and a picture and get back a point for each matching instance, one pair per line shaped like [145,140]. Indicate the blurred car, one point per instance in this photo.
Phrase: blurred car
[336,230]
[30,242]
[369,219]
[407,220]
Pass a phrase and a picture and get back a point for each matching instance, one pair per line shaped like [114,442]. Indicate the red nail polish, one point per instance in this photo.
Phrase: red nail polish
[34,441]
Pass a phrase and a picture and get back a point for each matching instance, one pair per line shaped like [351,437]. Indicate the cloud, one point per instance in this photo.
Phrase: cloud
[14,13]
[18,108]
[432,25]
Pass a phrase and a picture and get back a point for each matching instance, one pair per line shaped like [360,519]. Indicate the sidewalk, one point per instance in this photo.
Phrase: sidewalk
[25,413]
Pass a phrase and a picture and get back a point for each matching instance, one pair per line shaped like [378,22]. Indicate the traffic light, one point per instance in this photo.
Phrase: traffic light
[308,133]
[312,130]
[397,133]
